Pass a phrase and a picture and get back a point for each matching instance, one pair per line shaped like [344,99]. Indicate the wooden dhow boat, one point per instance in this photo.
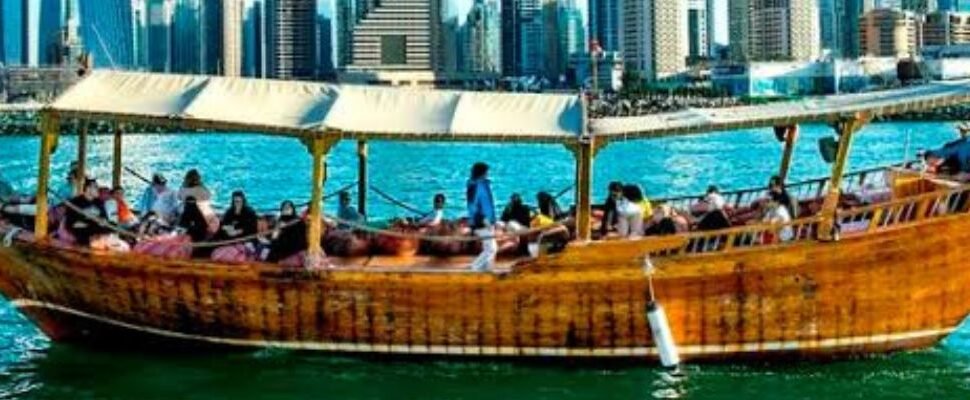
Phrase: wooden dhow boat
[895,275]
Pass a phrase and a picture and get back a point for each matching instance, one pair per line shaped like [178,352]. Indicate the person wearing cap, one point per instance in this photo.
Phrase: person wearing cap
[159,200]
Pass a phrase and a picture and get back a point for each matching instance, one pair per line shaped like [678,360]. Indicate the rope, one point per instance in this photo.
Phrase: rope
[244,239]
[397,202]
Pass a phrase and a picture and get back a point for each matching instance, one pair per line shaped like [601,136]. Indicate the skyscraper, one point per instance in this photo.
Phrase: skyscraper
[604,23]
[400,35]
[49,31]
[15,36]
[187,43]
[775,29]
[522,37]
[232,31]
[655,37]
[325,46]
[160,36]
[697,33]
[108,32]
[292,38]
[888,32]
[255,42]
[717,27]
[139,10]
[482,38]
[211,17]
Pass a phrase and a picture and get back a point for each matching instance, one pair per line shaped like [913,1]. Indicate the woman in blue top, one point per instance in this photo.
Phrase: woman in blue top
[481,215]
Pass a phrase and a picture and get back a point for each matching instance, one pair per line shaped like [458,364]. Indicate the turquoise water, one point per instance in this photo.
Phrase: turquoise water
[271,169]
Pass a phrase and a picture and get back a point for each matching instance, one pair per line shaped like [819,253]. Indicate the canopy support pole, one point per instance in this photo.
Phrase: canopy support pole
[790,133]
[82,157]
[50,127]
[362,177]
[584,152]
[116,158]
[318,147]
[845,128]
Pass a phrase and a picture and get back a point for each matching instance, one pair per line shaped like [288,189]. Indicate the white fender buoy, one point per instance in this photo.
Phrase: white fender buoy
[662,336]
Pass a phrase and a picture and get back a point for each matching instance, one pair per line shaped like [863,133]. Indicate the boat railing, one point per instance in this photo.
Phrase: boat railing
[874,179]
[882,216]
[755,235]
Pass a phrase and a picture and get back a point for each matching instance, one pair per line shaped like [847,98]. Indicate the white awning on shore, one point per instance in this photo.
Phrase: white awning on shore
[308,108]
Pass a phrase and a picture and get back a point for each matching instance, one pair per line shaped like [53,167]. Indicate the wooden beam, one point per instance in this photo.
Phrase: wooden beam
[845,128]
[790,133]
[116,159]
[362,177]
[584,153]
[82,156]
[318,148]
[50,128]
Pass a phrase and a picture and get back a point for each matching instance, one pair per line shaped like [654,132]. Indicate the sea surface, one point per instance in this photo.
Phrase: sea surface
[270,169]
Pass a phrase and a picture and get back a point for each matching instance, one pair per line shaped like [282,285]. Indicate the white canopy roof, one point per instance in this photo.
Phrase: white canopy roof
[303,108]
[817,109]
[307,108]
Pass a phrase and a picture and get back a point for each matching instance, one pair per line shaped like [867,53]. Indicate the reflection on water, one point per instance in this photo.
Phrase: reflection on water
[271,169]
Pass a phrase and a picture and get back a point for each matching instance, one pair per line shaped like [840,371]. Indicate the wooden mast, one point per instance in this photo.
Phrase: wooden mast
[116,158]
[318,147]
[362,177]
[790,133]
[845,128]
[50,127]
[584,151]
[82,157]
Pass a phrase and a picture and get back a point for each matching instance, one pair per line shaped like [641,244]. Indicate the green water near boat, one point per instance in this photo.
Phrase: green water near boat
[271,169]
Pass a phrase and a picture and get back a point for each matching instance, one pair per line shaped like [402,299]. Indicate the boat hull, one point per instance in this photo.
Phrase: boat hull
[903,288]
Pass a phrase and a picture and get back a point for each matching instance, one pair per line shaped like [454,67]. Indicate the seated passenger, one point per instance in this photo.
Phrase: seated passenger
[776,188]
[194,224]
[715,216]
[289,236]
[239,221]
[777,213]
[663,222]
[192,186]
[610,216]
[630,212]
[118,211]
[516,216]
[83,216]
[437,215]
[160,201]
[347,212]
[548,212]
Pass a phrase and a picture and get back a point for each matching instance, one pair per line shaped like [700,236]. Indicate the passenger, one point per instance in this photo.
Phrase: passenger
[118,210]
[777,213]
[610,216]
[630,212]
[289,236]
[516,216]
[85,212]
[952,158]
[194,224]
[548,212]
[481,215]
[347,212]
[69,187]
[776,188]
[239,221]
[663,222]
[715,217]
[192,186]
[159,200]
[437,215]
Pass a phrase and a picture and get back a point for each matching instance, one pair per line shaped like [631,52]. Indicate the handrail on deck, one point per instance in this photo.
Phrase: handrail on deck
[802,190]
[854,221]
